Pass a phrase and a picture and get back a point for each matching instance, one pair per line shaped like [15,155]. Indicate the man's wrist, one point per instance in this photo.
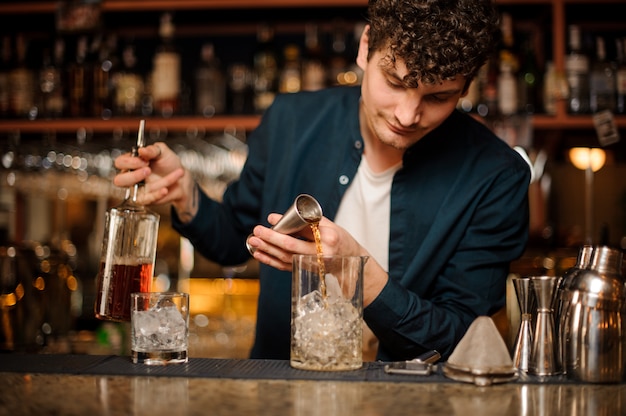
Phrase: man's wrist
[187,209]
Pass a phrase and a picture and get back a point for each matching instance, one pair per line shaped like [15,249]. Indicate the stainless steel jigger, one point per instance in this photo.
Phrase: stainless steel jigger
[302,213]
[524,339]
[544,359]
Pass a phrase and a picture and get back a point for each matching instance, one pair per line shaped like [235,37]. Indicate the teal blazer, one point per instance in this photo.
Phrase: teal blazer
[459,216]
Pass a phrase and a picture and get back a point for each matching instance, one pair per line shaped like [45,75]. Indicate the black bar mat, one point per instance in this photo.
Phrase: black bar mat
[111,365]
[196,367]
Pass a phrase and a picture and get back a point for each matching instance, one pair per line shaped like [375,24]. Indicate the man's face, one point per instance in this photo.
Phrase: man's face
[397,115]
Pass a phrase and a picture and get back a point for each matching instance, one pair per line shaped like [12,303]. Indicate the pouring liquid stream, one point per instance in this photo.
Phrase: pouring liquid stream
[320,258]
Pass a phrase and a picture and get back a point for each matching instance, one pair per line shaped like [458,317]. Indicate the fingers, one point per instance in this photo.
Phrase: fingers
[171,179]
[128,162]
[153,151]
[159,150]
[263,257]
[131,177]
[275,249]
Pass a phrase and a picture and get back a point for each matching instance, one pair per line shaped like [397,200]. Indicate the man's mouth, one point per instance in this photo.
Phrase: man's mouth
[400,130]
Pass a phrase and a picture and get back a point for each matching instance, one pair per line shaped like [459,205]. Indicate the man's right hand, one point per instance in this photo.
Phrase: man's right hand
[166,180]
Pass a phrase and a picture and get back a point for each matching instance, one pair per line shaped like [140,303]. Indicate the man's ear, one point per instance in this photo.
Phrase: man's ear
[361,58]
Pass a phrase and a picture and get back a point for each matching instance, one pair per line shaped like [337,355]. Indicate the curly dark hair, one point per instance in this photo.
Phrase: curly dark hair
[437,39]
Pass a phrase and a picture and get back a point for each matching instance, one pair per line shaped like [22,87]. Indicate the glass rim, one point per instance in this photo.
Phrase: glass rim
[330,256]
[171,294]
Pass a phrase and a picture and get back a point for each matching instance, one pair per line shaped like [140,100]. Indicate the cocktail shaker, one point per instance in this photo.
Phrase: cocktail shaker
[593,330]
[128,253]
[563,295]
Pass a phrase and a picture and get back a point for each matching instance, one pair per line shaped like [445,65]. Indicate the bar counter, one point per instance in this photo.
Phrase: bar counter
[111,385]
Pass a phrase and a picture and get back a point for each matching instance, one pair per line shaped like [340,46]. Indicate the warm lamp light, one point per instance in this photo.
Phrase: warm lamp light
[590,160]
[584,157]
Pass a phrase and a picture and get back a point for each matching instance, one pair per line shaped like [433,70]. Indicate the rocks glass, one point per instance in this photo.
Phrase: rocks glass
[159,327]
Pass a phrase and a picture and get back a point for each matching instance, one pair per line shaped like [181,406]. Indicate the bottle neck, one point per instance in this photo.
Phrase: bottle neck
[132,192]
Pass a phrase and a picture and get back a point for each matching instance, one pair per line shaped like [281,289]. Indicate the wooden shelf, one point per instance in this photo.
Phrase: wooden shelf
[561,121]
[70,125]
[17,7]
[155,5]
[220,123]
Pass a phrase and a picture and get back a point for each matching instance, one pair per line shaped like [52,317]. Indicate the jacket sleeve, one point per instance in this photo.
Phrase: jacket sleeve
[220,228]
[459,270]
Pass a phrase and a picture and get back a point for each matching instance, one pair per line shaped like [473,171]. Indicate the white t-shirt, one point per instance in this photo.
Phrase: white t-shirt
[364,210]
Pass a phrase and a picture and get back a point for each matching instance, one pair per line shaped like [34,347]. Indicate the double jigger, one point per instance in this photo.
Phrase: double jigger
[535,349]
[304,211]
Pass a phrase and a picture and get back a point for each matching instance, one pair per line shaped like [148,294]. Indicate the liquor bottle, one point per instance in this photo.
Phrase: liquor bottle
[22,83]
[5,67]
[103,72]
[507,90]
[128,84]
[354,74]
[313,68]
[265,69]
[508,66]
[577,73]
[550,95]
[620,76]
[290,79]
[240,89]
[78,86]
[528,81]
[488,83]
[166,76]
[128,252]
[338,63]
[602,85]
[51,81]
[210,83]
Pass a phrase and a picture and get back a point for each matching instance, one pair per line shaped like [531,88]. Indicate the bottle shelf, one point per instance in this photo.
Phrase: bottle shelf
[218,123]
[555,11]
[221,123]
[159,5]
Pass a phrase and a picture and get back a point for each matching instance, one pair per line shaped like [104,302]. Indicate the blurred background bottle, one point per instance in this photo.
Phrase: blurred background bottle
[5,67]
[106,63]
[22,83]
[508,67]
[528,80]
[240,89]
[290,79]
[265,69]
[620,76]
[210,83]
[129,84]
[313,65]
[577,73]
[51,84]
[77,80]
[337,63]
[166,72]
[602,84]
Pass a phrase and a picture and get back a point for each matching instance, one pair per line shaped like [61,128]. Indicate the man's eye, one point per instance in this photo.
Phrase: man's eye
[437,99]
[394,84]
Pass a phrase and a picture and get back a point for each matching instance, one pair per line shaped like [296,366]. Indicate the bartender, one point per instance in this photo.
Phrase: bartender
[434,198]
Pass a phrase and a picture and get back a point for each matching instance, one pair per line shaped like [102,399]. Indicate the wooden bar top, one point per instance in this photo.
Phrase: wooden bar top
[78,386]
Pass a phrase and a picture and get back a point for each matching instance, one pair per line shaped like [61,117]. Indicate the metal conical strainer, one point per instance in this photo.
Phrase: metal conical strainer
[481,357]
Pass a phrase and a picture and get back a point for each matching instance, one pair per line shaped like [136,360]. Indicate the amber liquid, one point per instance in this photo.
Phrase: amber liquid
[320,257]
[113,301]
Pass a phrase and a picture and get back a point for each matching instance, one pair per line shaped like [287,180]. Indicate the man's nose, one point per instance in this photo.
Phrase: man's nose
[408,110]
